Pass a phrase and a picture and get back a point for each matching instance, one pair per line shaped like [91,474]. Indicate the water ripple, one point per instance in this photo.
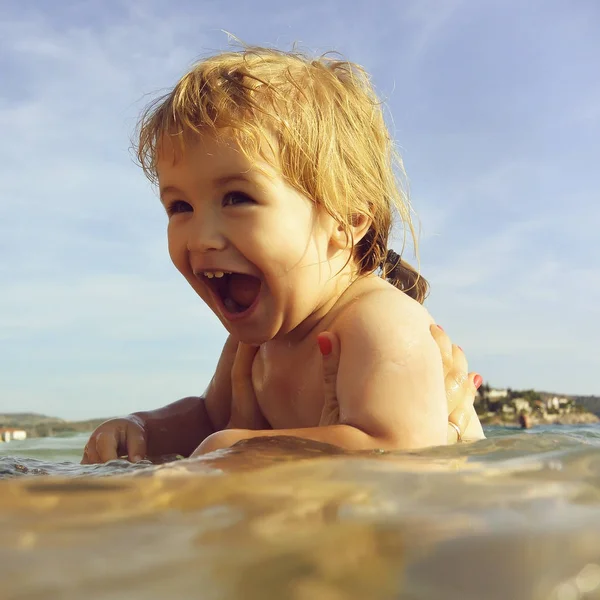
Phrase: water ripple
[514,516]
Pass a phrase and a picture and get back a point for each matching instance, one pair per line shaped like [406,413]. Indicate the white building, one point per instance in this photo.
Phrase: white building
[8,434]
[558,402]
[522,405]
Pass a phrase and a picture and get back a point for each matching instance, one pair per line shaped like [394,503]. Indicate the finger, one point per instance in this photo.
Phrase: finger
[245,411]
[460,416]
[455,391]
[460,390]
[242,364]
[329,345]
[241,373]
[474,380]
[136,445]
[459,360]
[452,435]
[444,344]
[107,446]
[456,377]
[463,412]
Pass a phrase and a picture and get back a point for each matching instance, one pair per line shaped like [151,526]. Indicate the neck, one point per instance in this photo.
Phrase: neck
[337,287]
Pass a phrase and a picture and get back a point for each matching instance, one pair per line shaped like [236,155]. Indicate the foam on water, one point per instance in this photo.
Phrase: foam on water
[515,516]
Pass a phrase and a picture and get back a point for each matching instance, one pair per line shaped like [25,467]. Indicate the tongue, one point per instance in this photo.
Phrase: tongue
[243,289]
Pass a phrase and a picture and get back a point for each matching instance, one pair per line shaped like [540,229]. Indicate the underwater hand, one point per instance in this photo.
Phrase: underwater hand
[115,438]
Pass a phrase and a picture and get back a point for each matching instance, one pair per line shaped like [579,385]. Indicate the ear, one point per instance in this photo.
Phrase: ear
[343,234]
[360,225]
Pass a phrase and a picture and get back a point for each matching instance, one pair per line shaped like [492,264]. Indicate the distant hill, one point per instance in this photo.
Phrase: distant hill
[27,418]
[37,425]
[590,403]
[42,426]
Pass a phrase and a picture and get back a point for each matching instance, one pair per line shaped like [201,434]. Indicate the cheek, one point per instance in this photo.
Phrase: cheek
[175,246]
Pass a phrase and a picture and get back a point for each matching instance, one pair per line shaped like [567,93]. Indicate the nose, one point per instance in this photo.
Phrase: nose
[204,234]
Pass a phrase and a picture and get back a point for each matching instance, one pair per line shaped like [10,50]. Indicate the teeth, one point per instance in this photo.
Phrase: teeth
[217,274]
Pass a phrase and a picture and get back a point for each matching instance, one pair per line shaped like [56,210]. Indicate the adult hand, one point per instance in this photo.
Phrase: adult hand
[245,411]
[461,386]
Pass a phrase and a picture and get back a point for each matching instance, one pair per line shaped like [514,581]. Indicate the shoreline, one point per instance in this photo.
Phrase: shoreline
[584,418]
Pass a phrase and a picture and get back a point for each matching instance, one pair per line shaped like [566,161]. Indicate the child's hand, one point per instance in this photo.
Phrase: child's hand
[115,438]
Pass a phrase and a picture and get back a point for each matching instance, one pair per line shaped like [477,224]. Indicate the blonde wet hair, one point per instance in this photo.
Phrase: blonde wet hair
[332,143]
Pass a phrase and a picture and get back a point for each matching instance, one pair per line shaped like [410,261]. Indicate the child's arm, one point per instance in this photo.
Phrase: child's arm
[391,379]
[177,428]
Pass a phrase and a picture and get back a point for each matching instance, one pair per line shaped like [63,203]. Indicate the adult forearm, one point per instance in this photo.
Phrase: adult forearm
[177,428]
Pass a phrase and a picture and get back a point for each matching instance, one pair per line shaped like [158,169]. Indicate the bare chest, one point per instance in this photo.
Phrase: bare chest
[289,386]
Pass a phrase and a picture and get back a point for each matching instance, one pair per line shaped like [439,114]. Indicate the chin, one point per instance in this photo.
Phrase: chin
[247,335]
[251,340]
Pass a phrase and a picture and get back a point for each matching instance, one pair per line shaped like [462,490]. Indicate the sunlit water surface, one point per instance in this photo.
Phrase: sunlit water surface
[514,516]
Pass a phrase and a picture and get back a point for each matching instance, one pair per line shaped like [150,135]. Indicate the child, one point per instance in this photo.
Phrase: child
[277,174]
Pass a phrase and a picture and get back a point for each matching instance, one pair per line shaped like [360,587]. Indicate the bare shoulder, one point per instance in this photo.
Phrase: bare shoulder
[390,379]
[381,310]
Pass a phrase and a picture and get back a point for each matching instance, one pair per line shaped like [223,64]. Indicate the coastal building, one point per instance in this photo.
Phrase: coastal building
[558,403]
[497,394]
[521,405]
[553,403]
[8,433]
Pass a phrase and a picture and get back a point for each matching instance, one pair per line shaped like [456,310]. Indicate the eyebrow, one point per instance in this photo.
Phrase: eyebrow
[230,178]
[218,182]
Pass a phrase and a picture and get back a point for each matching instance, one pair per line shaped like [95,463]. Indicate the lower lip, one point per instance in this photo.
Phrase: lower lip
[237,316]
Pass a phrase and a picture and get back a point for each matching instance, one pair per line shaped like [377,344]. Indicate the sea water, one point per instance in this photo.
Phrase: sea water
[516,516]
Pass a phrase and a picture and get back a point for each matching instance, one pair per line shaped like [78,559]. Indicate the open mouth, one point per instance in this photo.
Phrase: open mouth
[237,291]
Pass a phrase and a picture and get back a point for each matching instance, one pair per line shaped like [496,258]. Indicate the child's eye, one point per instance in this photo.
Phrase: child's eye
[178,206]
[233,198]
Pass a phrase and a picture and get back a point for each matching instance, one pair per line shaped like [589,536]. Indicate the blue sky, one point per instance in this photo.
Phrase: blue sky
[495,106]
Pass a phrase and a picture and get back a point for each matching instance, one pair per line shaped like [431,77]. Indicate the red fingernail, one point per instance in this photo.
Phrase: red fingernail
[477,381]
[325,345]
[460,348]
[441,328]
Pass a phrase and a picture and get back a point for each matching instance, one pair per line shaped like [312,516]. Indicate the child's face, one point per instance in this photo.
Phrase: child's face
[225,216]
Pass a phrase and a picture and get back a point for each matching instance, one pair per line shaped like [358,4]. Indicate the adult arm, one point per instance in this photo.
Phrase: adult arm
[177,428]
